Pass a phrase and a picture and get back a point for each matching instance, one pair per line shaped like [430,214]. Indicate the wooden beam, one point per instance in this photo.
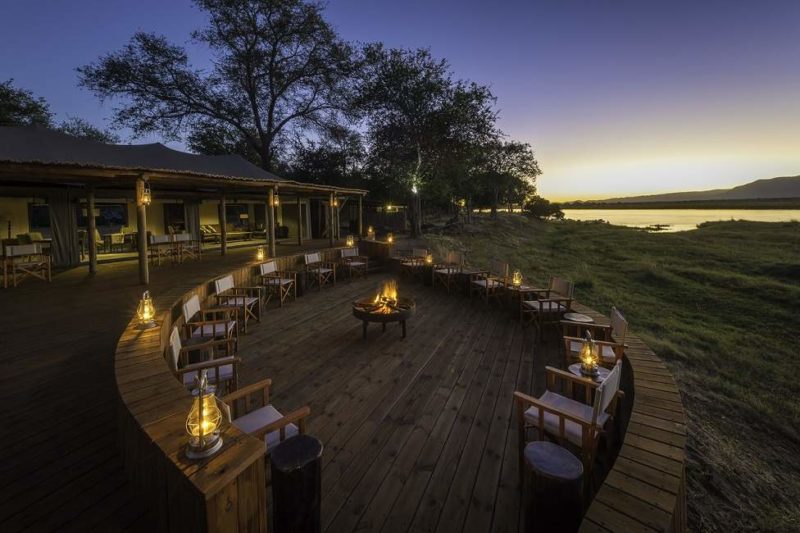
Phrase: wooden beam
[360,216]
[223,226]
[330,219]
[271,222]
[92,228]
[141,228]
[299,222]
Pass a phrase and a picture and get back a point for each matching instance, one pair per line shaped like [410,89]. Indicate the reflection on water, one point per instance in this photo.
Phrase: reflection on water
[679,219]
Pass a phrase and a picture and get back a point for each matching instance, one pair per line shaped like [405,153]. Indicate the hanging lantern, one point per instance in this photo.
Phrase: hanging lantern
[147,195]
[390,238]
[429,259]
[260,254]
[351,241]
[146,312]
[589,356]
[276,200]
[204,422]
[516,278]
[335,202]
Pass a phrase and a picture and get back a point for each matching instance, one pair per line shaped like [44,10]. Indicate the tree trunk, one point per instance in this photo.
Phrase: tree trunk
[495,201]
[415,215]
[469,209]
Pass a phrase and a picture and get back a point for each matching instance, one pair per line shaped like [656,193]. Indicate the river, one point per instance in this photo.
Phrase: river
[679,219]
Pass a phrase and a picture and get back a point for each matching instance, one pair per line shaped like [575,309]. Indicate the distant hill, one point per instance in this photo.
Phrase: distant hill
[783,187]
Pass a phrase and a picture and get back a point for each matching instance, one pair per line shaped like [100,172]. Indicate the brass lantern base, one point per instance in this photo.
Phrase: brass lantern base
[201,452]
[150,324]
[591,372]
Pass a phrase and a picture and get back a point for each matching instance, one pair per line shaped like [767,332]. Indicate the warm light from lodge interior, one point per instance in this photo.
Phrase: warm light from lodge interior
[429,259]
[386,299]
[390,238]
[204,422]
[146,312]
[589,355]
[147,195]
[260,254]
[516,278]
[351,240]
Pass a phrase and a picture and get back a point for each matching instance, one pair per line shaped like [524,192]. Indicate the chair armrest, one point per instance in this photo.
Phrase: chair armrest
[205,365]
[556,373]
[481,274]
[242,392]
[231,313]
[524,401]
[204,345]
[297,415]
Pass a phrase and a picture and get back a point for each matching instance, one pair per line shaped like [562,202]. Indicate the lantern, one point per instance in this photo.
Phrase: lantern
[146,312]
[390,238]
[589,356]
[260,254]
[204,422]
[147,195]
[350,240]
[335,202]
[276,200]
[516,278]
[370,232]
[429,259]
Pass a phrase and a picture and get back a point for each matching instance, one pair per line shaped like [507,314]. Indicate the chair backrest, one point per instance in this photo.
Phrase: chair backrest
[24,238]
[23,249]
[498,268]
[223,284]
[312,258]
[619,326]
[606,391]
[97,237]
[183,237]
[419,252]
[36,236]
[561,286]
[190,308]
[349,252]
[117,238]
[160,239]
[268,268]
[174,348]
[454,257]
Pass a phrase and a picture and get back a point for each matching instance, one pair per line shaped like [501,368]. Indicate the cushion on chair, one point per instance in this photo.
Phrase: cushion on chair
[356,263]
[606,352]
[411,264]
[447,270]
[492,283]
[320,270]
[225,373]
[237,301]
[572,431]
[214,330]
[535,305]
[257,419]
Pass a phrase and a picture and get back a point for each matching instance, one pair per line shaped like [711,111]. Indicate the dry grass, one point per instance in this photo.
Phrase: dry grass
[721,305]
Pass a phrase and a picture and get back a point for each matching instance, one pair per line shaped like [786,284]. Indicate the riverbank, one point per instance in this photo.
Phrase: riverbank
[721,306]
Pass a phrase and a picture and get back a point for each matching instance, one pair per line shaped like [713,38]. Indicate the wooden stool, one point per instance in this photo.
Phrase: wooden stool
[556,482]
[296,484]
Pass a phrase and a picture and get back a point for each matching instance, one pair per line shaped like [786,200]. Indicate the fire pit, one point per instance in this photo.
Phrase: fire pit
[385,307]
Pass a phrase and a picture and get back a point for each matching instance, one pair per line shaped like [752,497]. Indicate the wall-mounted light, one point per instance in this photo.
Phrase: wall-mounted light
[335,202]
[147,195]
[276,201]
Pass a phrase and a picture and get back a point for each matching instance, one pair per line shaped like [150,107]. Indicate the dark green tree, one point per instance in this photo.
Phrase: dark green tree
[278,68]
[78,127]
[507,174]
[19,107]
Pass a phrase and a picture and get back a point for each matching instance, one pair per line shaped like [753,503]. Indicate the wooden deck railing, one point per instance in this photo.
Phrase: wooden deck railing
[223,493]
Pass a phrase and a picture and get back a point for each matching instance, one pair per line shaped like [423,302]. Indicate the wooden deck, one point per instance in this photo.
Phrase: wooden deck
[418,432]
[60,467]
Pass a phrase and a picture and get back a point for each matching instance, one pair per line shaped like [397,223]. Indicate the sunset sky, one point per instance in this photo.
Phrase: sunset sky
[616,97]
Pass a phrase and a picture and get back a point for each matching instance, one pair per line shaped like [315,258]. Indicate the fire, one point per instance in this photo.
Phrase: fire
[386,299]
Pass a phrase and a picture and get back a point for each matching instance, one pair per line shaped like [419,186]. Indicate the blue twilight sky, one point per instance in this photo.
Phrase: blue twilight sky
[616,96]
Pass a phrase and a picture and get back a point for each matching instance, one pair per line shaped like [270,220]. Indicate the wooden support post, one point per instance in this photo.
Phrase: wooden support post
[271,222]
[90,230]
[338,225]
[360,216]
[141,229]
[299,222]
[330,219]
[267,207]
[223,226]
